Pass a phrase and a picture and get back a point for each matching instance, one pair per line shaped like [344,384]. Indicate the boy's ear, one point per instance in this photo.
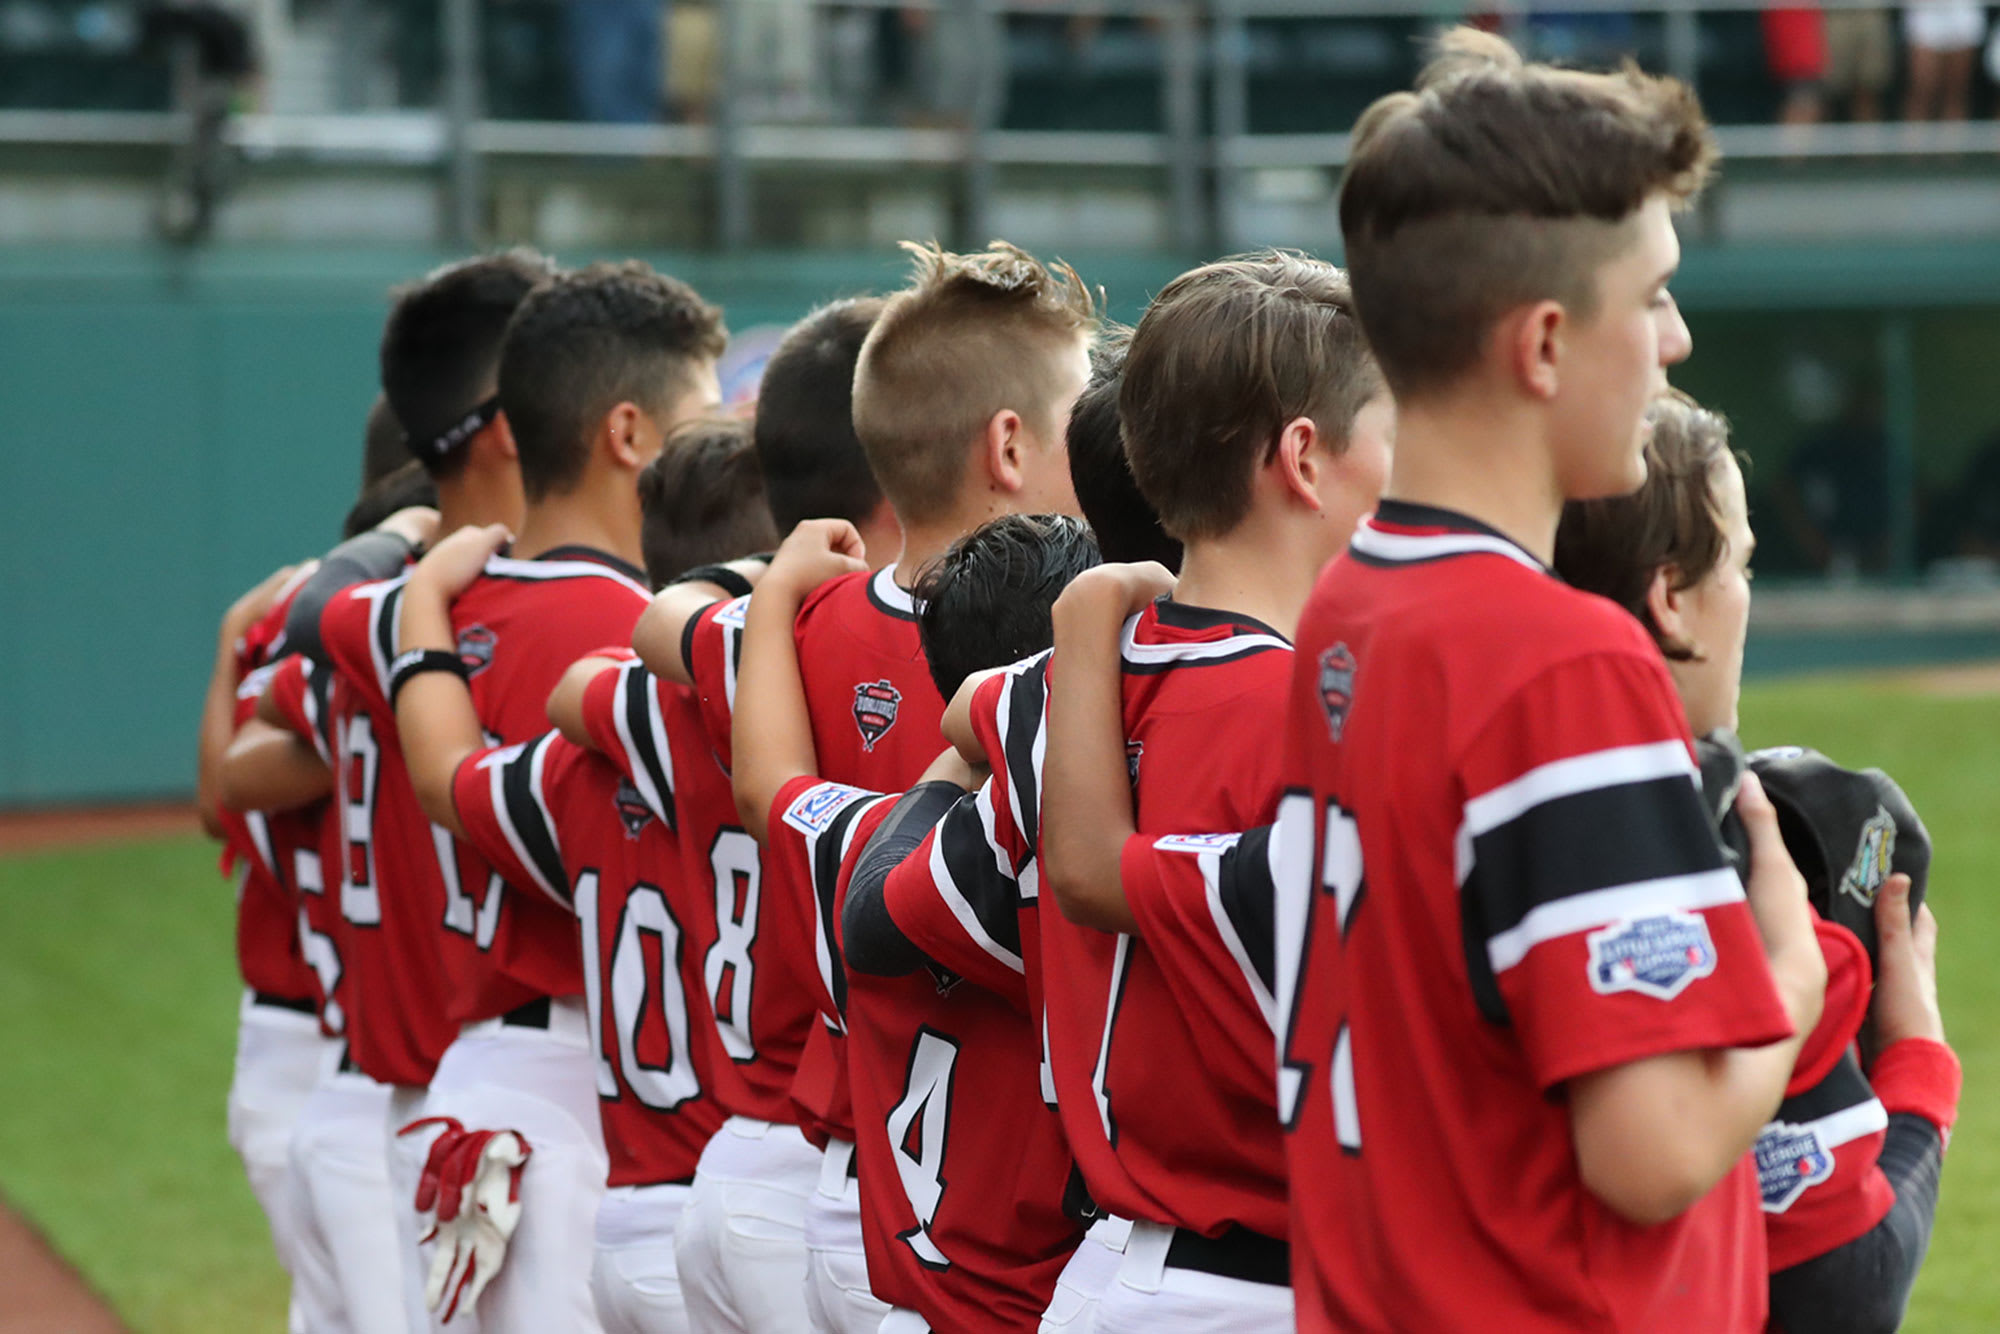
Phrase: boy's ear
[621,430]
[498,437]
[1003,450]
[1663,601]
[1534,343]
[1299,464]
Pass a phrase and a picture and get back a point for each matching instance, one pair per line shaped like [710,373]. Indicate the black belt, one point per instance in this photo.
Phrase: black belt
[535,1014]
[305,1006]
[347,1065]
[1237,1253]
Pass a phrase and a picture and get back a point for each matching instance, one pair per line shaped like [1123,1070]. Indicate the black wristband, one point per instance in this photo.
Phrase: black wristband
[728,580]
[418,661]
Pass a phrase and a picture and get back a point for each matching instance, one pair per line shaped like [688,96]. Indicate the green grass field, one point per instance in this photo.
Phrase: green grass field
[118,985]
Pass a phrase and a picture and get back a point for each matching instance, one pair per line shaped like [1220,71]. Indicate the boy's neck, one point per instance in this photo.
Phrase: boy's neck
[1253,571]
[585,517]
[467,500]
[925,542]
[1487,465]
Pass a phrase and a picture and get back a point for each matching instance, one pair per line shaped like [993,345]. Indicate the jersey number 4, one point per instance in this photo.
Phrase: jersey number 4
[919,1126]
[1317,860]
[641,991]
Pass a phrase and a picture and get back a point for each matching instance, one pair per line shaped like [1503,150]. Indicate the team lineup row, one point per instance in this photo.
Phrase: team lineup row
[1294,898]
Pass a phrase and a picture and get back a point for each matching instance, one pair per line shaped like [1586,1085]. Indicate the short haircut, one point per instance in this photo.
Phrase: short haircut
[383,448]
[814,466]
[985,602]
[1614,547]
[440,349]
[1124,524]
[585,342]
[406,486]
[1224,356]
[1500,183]
[703,500]
[971,336]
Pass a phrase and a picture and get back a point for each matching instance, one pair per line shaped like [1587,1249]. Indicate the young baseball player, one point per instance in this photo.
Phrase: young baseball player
[565,819]
[944,1077]
[1186,1145]
[739,1239]
[597,368]
[1529,1025]
[961,397]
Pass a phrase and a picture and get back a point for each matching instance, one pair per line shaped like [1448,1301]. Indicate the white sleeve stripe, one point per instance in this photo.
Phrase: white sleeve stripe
[1582,912]
[1211,878]
[954,899]
[632,677]
[496,770]
[1149,655]
[1850,1123]
[730,649]
[1566,778]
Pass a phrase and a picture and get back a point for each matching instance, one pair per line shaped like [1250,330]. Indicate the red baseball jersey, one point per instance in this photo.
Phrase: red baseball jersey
[1816,1160]
[519,627]
[259,848]
[963,1167]
[387,870]
[1155,1139]
[1495,874]
[756,956]
[875,717]
[564,820]
[298,850]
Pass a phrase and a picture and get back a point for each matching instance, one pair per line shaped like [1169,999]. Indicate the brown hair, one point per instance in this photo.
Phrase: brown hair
[1498,183]
[1223,358]
[703,500]
[971,336]
[1614,547]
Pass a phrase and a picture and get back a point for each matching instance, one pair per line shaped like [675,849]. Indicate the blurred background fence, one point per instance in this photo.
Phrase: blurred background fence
[203,206]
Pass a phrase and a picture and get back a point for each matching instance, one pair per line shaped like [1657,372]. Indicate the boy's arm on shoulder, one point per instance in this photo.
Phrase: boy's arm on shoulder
[660,637]
[267,767]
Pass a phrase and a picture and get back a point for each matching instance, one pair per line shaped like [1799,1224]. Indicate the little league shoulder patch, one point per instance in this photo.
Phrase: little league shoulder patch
[875,706]
[1790,1161]
[1657,956]
[735,613]
[813,810]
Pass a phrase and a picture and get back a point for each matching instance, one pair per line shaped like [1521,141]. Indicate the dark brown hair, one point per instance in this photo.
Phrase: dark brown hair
[703,500]
[1614,547]
[814,467]
[971,336]
[1498,183]
[1222,359]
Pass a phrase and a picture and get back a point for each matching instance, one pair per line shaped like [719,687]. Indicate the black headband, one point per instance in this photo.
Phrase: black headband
[456,434]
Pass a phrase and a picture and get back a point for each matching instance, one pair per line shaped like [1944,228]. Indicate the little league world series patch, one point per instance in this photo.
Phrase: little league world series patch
[812,811]
[875,706]
[1790,1160]
[1658,956]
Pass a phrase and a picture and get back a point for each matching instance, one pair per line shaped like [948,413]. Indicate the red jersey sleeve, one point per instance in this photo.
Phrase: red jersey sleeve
[816,827]
[502,798]
[956,897]
[1599,917]
[624,711]
[298,691]
[712,647]
[357,628]
[1204,905]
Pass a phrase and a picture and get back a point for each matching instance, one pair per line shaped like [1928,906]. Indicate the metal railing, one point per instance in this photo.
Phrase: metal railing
[1204,146]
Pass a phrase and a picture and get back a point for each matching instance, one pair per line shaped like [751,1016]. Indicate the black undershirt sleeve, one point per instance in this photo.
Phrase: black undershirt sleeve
[359,560]
[871,941]
[1862,1287]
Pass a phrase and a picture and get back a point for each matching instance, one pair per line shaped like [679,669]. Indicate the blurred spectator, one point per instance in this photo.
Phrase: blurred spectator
[614,59]
[1795,50]
[1594,40]
[1860,60]
[1971,507]
[775,61]
[694,60]
[1944,37]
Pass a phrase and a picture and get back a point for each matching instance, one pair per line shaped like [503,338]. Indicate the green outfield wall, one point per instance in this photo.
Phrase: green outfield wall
[176,424]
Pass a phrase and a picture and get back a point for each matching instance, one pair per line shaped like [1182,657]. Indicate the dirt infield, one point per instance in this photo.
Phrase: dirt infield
[39,1292]
[1964,681]
[72,826]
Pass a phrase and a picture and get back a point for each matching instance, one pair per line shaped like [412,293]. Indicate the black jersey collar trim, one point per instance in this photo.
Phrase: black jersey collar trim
[1376,546]
[890,597]
[1187,616]
[578,551]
